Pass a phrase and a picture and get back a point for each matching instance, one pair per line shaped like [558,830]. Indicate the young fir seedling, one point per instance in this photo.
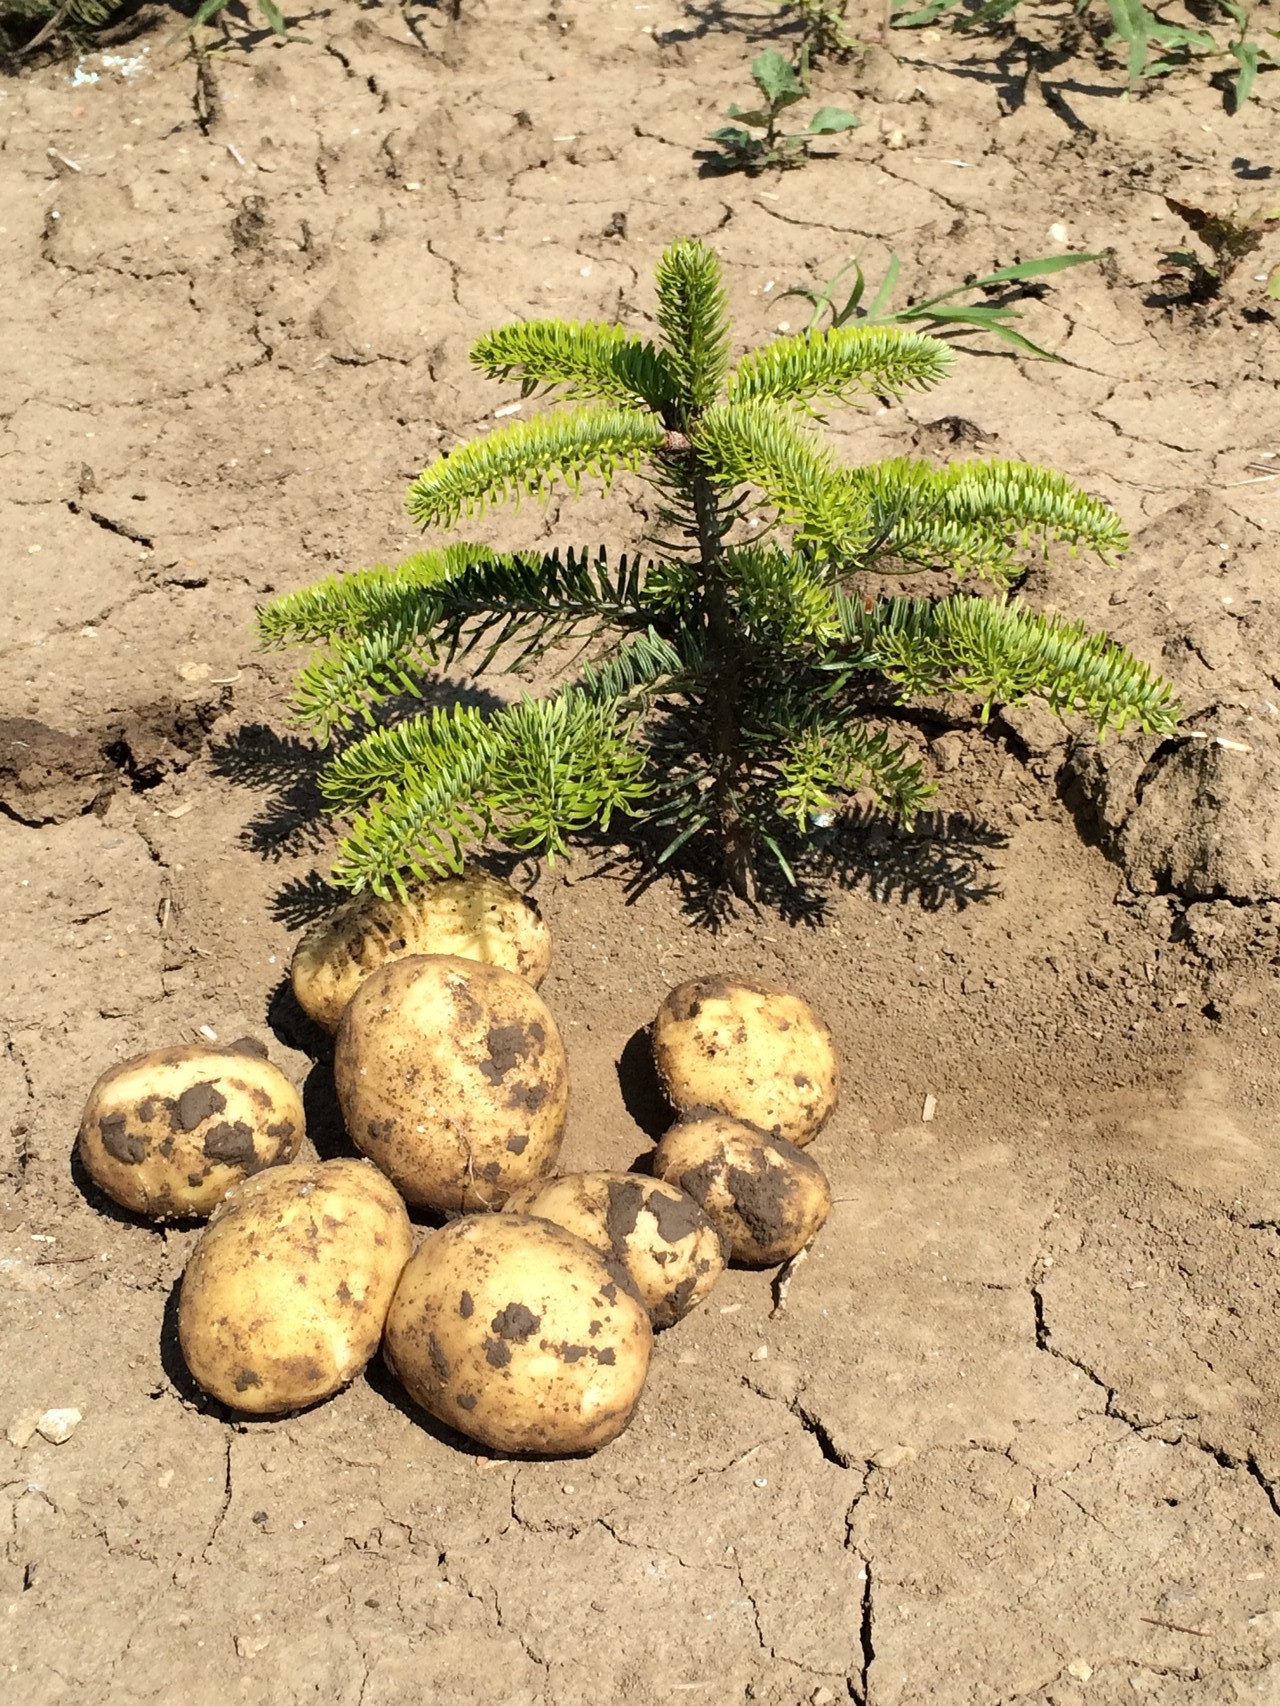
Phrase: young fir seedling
[755,140]
[741,684]
[940,314]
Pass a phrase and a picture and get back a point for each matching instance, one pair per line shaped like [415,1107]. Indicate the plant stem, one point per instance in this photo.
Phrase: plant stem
[724,659]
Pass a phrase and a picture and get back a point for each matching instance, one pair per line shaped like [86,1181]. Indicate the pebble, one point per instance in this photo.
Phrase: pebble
[57,1426]
[21,1428]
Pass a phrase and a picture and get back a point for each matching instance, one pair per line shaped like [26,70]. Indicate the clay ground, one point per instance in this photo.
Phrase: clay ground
[1015,1435]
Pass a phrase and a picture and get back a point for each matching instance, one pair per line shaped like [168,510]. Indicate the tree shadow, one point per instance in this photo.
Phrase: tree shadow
[939,862]
[707,17]
[287,768]
[294,818]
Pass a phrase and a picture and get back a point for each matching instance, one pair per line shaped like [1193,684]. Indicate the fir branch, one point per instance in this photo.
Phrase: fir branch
[785,600]
[349,603]
[756,444]
[346,682]
[842,364]
[587,359]
[537,601]
[637,669]
[830,759]
[529,456]
[693,315]
[1003,652]
[537,772]
[977,517]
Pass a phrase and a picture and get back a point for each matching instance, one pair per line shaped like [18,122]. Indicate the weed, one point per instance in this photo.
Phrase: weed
[1230,239]
[1151,46]
[741,681]
[940,314]
[755,140]
[824,32]
[26,25]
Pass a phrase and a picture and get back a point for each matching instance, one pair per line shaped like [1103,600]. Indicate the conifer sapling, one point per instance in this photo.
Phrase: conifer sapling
[740,685]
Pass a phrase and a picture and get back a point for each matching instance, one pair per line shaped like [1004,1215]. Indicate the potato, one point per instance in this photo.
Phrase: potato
[657,1234]
[516,1333]
[747,1050]
[286,1294]
[167,1134]
[452,1078]
[477,917]
[767,1197]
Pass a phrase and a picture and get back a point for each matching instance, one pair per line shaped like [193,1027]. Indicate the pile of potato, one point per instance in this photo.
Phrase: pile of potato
[526,1321]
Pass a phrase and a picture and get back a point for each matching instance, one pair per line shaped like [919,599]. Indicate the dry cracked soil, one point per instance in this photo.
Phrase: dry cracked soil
[1013,1435]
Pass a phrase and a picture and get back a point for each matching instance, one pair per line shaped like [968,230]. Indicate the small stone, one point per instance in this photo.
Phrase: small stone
[821,1697]
[948,751]
[57,1426]
[1080,1670]
[893,1455]
[760,1354]
[21,1428]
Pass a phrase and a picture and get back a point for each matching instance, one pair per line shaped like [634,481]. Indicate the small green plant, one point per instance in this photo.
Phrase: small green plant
[1230,239]
[940,314]
[211,9]
[755,140]
[824,32]
[741,680]
[26,25]
[1151,45]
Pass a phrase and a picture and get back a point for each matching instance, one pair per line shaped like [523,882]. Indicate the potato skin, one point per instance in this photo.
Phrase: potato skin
[519,1335]
[661,1237]
[748,1050]
[477,917]
[286,1294]
[168,1133]
[767,1196]
[452,1077]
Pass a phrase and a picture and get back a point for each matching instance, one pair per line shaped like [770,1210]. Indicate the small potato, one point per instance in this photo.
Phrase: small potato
[167,1134]
[286,1294]
[767,1197]
[517,1334]
[748,1050]
[477,917]
[453,1079]
[657,1234]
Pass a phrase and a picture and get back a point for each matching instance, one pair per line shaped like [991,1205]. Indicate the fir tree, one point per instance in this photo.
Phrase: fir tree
[739,686]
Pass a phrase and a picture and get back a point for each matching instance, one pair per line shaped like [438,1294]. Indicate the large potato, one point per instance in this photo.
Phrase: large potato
[452,1077]
[285,1296]
[767,1197]
[477,917]
[749,1050]
[518,1334]
[168,1133]
[658,1235]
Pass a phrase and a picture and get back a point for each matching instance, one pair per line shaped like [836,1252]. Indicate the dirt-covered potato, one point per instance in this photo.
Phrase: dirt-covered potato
[748,1050]
[767,1197]
[168,1133]
[452,1077]
[658,1235]
[477,917]
[519,1335]
[286,1294]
